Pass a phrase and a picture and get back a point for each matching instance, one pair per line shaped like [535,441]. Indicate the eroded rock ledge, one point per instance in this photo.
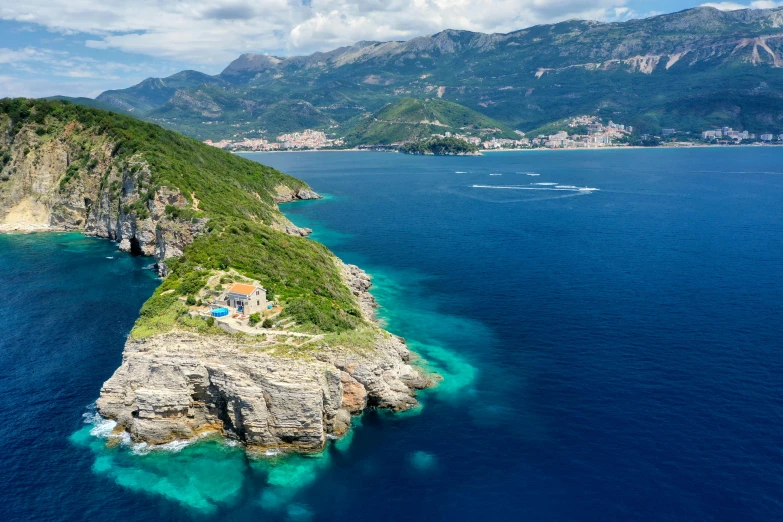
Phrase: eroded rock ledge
[180,385]
[286,194]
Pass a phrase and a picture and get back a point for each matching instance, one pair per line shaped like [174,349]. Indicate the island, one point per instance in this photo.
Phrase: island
[441,147]
[256,333]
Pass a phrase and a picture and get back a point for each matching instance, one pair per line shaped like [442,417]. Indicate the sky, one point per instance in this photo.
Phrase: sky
[84,47]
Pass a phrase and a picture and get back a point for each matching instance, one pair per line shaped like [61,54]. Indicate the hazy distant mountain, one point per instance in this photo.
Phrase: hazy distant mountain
[154,92]
[687,70]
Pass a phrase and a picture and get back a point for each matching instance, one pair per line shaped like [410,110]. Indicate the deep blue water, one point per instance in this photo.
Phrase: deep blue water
[608,355]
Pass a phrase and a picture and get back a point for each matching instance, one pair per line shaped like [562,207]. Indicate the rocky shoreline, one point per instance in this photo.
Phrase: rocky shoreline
[181,385]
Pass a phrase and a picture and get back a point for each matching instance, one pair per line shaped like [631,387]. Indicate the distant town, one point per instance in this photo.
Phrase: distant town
[306,140]
[586,132]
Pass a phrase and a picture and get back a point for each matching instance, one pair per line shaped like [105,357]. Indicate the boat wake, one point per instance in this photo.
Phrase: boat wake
[550,187]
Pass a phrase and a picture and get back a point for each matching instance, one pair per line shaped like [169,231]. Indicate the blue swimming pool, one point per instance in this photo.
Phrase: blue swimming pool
[219,312]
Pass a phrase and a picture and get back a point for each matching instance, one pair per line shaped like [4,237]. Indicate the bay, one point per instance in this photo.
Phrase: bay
[608,354]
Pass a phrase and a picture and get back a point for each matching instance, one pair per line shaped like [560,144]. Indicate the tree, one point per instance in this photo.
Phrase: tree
[255,319]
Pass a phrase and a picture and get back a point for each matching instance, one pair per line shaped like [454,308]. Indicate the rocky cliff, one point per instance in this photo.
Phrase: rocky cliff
[43,189]
[181,385]
[75,181]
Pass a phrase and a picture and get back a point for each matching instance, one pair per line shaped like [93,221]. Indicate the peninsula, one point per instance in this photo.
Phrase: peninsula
[256,333]
[441,147]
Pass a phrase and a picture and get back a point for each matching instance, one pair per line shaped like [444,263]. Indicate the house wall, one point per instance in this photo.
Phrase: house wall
[254,303]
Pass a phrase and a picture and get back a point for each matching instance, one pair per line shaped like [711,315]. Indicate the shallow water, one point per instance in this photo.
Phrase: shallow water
[610,354]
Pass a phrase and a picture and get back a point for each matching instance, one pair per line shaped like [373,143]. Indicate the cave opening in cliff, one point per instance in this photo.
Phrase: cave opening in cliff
[135,247]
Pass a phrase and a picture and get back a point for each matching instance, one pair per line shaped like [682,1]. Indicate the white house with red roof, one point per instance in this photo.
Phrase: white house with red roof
[247,299]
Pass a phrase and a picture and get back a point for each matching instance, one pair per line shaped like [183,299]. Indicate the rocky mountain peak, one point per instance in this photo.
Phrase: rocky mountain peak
[250,63]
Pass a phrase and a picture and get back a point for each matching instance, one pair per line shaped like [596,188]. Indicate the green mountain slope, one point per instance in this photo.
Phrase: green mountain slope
[410,119]
[209,112]
[524,79]
[88,102]
[154,92]
[118,177]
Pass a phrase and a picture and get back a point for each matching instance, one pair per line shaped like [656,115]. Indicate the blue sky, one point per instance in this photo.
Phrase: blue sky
[83,47]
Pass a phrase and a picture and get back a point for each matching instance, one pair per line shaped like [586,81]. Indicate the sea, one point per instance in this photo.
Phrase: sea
[608,326]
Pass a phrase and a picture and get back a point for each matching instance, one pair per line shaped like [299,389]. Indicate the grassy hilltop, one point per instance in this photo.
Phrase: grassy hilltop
[414,119]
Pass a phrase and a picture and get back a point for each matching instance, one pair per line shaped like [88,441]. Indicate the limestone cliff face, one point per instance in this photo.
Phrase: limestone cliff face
[40,190]
[287,194]
[180,385]
[75,181]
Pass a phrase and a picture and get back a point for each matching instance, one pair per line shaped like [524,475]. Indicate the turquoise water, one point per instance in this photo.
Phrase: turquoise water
[609,354]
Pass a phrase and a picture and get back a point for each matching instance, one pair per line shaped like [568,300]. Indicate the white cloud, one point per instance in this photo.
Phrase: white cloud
[733,6]
[38,87]
[60,63]
[216,31]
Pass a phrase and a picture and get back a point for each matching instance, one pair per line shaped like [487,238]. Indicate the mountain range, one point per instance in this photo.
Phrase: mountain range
[689,70]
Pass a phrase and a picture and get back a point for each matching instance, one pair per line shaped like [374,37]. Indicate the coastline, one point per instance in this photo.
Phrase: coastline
[264,399]
[283,410]
[302,150]
[29,228]
[538,149]
[636,147]
[380,376]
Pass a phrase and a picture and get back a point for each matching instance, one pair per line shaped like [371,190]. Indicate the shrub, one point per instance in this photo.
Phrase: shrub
[267,323]
[191,283]
[191,300]
[255,319]
[210,321]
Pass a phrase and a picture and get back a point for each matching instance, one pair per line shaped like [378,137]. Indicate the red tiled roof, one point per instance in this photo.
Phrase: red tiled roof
[241,289]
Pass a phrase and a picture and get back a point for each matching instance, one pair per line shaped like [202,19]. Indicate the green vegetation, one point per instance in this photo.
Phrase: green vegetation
[525,80]
[228,187]
[415,119]
[234,195]
[254,319]
[440,147]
